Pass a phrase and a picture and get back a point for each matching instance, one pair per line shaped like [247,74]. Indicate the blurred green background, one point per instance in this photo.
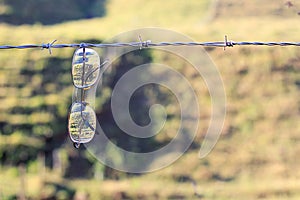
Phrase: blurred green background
[256,156]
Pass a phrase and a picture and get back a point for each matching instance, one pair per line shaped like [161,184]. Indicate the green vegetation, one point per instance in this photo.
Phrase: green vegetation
[256,156]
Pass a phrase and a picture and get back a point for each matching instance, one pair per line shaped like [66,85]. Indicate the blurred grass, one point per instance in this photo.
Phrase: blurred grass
[256,155]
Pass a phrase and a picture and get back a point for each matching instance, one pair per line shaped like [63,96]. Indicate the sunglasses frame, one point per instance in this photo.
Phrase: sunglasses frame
[82,102]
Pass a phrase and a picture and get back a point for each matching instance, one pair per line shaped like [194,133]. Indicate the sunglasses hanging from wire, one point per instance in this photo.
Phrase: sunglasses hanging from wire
[86,73]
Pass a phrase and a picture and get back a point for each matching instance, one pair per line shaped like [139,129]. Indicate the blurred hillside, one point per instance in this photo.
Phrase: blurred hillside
[49,12]
[256,8]
[256,156]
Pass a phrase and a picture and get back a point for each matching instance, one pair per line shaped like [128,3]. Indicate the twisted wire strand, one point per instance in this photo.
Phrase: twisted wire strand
[144,44]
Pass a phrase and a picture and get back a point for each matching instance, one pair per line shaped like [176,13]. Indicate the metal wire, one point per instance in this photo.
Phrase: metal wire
[144,44]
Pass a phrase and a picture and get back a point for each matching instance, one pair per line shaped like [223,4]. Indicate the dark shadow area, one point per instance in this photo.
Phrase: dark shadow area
[50,12]
[141,101]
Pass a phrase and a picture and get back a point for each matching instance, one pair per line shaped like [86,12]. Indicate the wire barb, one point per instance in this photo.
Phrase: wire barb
[143,44]
[48,46]
[227,43]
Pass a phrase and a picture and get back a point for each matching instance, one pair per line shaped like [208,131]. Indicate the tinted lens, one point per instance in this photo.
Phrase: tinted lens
[85,68]
[82,123]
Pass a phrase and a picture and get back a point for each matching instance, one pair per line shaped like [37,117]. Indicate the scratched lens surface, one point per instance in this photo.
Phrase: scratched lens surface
[82,123]
[85,68]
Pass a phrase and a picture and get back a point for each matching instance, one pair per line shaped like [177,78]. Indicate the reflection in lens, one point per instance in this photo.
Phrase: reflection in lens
[82,123]
[85,68]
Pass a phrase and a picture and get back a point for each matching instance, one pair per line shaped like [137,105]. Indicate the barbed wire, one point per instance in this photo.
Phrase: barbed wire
[145,44]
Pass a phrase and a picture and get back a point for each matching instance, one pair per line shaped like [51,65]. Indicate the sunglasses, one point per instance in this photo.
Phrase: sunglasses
[86,72]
